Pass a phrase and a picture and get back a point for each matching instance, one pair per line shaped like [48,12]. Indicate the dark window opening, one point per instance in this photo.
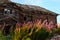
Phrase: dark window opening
[10,11]
[5,12]
[25,18]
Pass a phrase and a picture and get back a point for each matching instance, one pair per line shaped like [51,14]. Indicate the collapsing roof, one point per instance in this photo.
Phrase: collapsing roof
[28,8]
[38,9]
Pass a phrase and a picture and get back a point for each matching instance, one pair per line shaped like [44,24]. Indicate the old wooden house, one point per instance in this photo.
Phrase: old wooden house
[11,12]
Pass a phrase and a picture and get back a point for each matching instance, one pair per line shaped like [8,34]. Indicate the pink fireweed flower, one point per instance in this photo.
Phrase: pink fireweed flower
[39,22]
[18,26]
[29,25]
[49,26]
[44,23]
[24,25]
[37,25]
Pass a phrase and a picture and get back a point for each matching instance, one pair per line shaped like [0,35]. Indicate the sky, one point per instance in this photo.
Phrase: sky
[52,5]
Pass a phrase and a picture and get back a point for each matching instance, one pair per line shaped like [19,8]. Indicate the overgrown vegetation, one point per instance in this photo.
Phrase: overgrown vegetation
[31,31]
